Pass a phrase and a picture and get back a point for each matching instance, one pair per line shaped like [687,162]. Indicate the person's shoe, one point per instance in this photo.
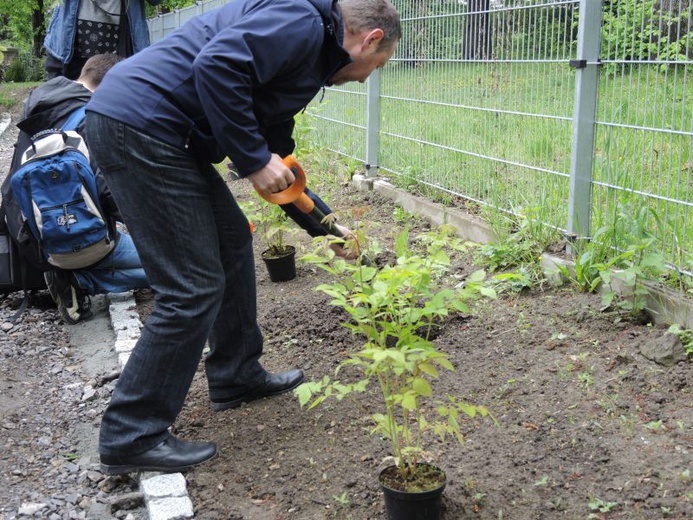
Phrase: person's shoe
[170,456]
[73,303]
[274,384]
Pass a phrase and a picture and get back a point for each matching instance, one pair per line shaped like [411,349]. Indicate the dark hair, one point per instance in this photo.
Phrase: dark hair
[365,15]
[97,66]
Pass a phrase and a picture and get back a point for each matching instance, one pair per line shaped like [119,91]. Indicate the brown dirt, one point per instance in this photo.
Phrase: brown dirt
[588,427]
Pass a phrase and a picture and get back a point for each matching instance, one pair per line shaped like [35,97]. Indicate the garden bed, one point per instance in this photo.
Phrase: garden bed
[587,426]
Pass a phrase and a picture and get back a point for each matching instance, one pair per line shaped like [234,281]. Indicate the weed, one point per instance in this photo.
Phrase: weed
[655,426]
[597,504]
[506,387]
[685,337]
[515,282]
[543,481]
[72,457]
[342,499]
[609,404]
[401,215]
[522,323]
[621,272]
[628,424]
[289,343]
[586,378]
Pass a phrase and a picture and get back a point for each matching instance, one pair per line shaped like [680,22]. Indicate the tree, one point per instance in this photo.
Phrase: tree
[16,22]
[477,40]
[38,27]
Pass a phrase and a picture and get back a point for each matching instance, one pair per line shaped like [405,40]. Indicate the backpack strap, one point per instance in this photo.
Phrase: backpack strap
[25,300]
[75,118]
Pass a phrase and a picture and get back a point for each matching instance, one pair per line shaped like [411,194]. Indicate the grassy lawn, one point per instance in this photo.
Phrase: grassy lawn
[500,134]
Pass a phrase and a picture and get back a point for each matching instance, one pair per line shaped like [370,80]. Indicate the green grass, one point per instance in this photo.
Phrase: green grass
[501,134]
[12,94]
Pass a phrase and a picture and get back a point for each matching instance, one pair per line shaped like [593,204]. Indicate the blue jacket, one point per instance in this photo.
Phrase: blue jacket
[229,82]
[60,38]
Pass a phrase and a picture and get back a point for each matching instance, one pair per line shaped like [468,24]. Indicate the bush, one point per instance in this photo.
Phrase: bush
[25,68]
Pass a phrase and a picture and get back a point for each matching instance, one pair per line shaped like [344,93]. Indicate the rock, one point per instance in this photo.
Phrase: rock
[666,350]
[31,508]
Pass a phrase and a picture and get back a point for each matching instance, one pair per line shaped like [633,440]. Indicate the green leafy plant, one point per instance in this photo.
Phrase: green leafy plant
[597,504]
[685,337]
[620,273]
[633,266]
[520,240]
[394,310]
[273,225]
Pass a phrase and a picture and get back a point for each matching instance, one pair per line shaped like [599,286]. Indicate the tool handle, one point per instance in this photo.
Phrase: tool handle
[293,192]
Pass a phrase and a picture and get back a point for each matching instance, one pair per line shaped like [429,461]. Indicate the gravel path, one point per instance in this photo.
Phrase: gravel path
[55,381]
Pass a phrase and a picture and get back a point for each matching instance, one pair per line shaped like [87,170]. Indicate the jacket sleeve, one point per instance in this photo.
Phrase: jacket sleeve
[279,138]
[312,227]
[248,55]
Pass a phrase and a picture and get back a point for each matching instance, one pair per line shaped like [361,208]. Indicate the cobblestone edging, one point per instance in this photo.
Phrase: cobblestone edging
[165,494]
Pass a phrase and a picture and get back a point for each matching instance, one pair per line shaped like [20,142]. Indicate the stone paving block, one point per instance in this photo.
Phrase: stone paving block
[125,345]
[123,358]
[166,485]
[178,508]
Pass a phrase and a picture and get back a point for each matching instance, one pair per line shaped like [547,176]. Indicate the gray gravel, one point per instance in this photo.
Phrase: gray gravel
[55,381]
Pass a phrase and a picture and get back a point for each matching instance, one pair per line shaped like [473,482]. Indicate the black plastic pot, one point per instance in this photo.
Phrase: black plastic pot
[281,268]
[403,505]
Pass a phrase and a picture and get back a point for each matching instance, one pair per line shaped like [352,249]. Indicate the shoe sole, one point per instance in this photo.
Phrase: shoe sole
[107,469]
[235,403]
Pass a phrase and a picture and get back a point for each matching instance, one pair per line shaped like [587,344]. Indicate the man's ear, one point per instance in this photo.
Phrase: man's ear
[372,39]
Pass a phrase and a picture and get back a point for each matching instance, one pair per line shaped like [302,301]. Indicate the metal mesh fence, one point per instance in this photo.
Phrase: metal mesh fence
[579,112]
[166,23]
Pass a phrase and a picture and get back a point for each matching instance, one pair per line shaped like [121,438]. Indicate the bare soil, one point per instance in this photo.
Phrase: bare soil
[587,426]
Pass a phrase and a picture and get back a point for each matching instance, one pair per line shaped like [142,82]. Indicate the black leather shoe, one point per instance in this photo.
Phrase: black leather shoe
[171,456]
[274,384]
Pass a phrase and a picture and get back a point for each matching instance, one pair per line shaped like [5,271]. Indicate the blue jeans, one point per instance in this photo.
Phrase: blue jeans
[120,271]
[195,245]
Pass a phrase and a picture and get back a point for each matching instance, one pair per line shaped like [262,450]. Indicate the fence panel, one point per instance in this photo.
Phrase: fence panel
[644,133]
[166,23]
[486,104]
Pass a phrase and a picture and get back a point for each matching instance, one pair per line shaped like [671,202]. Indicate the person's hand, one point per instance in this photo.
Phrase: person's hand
[273,177]
[351,253]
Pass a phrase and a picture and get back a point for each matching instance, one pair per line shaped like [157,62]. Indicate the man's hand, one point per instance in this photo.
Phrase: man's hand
[273,177]
[350,253]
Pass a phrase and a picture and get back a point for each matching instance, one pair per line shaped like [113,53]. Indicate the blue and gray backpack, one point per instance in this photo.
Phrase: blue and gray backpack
[56,189]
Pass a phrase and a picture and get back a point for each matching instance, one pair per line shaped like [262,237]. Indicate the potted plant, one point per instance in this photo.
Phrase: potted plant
[394,310]
[273,225]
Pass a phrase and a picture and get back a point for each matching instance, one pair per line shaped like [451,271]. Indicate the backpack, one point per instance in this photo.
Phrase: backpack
[56,190]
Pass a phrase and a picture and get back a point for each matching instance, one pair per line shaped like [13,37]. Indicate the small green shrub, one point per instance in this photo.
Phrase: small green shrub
[25,68]
[393,310]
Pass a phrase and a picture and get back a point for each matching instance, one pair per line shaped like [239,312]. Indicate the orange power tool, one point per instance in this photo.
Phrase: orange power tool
[295,194]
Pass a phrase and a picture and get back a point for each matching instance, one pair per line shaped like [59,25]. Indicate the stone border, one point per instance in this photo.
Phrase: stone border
[665,305]
[165,494]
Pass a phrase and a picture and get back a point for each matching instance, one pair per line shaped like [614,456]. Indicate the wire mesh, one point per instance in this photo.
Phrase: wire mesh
[477,109]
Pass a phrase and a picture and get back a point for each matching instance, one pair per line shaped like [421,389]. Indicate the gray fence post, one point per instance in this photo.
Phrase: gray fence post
[373,124]
[584,114]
